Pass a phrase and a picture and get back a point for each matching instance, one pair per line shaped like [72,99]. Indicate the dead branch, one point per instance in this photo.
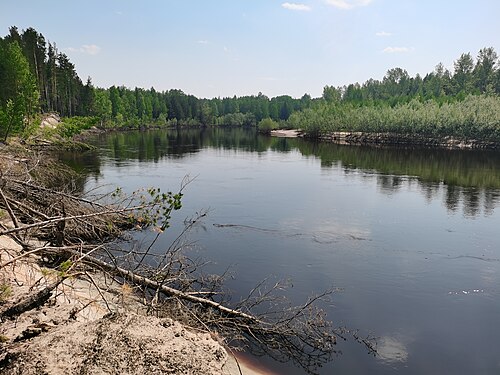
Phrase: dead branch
[146,282]
[31,301]
[171,283]
[9,209]
[70,218]
[56,192]
[29,209]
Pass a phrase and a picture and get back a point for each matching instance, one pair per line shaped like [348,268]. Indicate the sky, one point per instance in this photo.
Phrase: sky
[221,48]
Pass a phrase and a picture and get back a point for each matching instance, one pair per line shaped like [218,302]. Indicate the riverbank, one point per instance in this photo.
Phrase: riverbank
[94,324]
[338,137]
[390,139]
[62,315]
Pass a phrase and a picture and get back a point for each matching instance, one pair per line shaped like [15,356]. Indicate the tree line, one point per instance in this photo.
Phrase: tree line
[475,117]
[468,77]
[35,77]
[174,107]
[464,103]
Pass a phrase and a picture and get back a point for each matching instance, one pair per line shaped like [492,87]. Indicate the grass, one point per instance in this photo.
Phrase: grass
[5,292]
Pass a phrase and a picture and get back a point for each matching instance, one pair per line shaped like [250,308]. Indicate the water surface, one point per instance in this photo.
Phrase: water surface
[410,236]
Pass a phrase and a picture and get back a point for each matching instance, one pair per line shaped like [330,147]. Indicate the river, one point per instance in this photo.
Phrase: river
[410,237]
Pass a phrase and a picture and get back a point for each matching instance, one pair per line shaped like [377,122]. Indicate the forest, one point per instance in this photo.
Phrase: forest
[35,78]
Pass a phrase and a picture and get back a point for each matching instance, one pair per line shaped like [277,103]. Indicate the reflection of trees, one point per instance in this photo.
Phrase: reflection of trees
[491,198]
[452,197]
[452,167]
[282,144]
[471,201]
[388,183]
[430,191]
[86,164]
[153,145]
[471,178]
[463,174]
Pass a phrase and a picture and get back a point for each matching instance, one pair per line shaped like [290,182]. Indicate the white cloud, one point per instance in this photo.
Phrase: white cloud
[89,49]
[270,79]
[295,6]
[202,42]
[383,33]
[397,50]
[348,4]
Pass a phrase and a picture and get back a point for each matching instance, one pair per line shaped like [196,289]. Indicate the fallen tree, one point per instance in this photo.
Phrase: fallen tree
[81,235]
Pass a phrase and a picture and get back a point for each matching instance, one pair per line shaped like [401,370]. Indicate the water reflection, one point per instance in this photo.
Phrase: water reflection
[471,201]
[391,350]
[349,217]
[452,167]
[453,197]
[154,145]
[464,178]
[468,181]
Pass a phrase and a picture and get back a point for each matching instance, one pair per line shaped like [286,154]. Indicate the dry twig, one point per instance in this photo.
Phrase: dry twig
[85,233]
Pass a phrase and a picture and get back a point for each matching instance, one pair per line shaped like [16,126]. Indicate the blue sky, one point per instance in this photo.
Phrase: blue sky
[240,47]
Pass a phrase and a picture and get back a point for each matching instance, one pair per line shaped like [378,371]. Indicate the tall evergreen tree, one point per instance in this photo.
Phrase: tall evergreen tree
[462,76]
[484,71]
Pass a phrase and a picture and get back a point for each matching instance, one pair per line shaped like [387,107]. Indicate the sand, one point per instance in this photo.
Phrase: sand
[286,133]
[95,340]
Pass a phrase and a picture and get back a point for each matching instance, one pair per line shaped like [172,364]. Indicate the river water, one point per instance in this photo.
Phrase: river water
[410,237]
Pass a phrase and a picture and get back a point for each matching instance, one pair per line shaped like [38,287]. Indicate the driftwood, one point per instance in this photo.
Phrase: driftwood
[57,220]
[85,231]
[9,210]
[148,283]
[300,333]
[31,301]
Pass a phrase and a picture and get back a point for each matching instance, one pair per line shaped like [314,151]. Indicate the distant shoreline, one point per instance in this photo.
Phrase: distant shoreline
[390,139]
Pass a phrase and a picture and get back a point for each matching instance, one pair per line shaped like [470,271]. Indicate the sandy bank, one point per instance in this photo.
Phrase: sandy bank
[293,133]
[93,325]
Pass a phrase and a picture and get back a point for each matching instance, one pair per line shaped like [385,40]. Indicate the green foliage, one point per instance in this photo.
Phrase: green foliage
[5,292]
[75,125]
[18,91]
[476,117]
[331,94]
[266,125]
[102,106]
[236,119]
[64,267]
[35,75]
[38,75]
[158,208]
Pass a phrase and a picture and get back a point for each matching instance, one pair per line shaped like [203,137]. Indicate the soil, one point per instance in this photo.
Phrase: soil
[92,325]
[120,344]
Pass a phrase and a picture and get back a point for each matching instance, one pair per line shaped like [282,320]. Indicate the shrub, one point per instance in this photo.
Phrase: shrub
[74,125]
[266,125]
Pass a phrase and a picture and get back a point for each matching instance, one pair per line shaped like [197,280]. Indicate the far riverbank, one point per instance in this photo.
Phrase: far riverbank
[390,139]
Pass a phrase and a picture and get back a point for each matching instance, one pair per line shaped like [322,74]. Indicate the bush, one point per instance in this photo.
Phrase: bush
[476,117]
[266,125]
[74,125]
